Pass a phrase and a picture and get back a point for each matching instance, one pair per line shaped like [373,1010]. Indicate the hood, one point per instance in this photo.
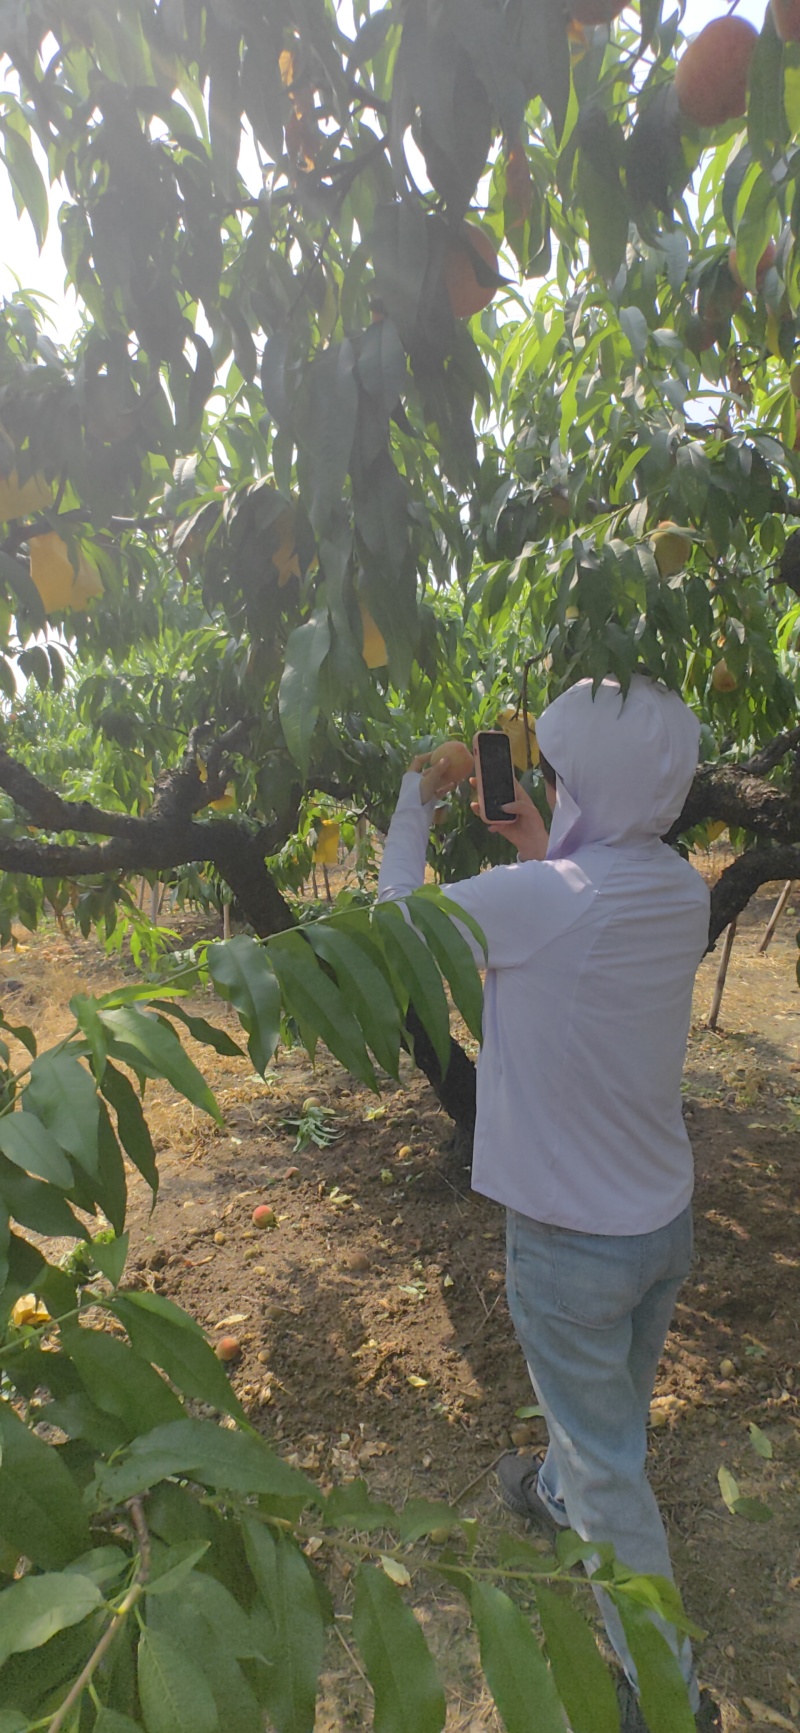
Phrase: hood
[624,765]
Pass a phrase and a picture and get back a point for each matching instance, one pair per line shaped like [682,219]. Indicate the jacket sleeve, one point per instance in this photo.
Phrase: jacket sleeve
[503,900]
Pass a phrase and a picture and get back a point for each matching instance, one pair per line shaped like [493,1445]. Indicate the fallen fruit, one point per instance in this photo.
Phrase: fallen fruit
[292,1173]
[671,548]
[228,1348]
[220,1238]
[466,294]
[711,75]
[264,1216]
[727,1369]
[404,1152]
[455,758]
[722,679]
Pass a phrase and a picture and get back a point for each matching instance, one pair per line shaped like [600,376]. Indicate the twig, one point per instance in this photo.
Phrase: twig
[134,1592]
[356,1663]
[456,1499]
[482,1325]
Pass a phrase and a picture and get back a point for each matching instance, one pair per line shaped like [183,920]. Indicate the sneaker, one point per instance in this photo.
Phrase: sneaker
[631,1719]
[709,1714]
[518,1476]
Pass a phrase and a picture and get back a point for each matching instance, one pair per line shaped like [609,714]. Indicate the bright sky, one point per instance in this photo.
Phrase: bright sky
[44,272]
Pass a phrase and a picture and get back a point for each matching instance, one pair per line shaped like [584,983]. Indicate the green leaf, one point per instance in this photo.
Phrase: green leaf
[411,960]
[26,1142]
[365,989]
[175,1697]
[515,1668]
[767,128]
[36,1205]
[298,699]
[175,1565]
[228,1461]
[243,975]
[118,1380]
[408,1694]
[110,1257]
[330,429]
[110,1721]
[662,1688]
[61,1093]
[164,1334]
[601,194]
[286,1584]
[454,957]
[34,1609]
[111,1185]
[583,1681]
[41,1512]
[311,996]
[131,1124]
[350,1506]
[30,192]
[203,1031]
[87,1018]
[139,1040]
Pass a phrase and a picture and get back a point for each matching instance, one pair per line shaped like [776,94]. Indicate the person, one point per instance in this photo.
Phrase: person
[593,938]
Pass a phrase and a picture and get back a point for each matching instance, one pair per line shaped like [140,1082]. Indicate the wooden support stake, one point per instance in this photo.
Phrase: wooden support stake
[775,916]
[719,987]
[327,883]
[226,920]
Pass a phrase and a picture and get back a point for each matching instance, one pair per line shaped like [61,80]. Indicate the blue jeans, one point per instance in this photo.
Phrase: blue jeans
[591,1313]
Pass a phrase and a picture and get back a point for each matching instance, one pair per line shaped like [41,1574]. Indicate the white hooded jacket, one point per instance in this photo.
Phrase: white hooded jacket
[592,954]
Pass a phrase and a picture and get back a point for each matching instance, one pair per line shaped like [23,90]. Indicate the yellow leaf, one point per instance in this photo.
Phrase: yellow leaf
[415,1381]
[226,802]
[60,585]
[285,558]
[395,1571]
[373,648]
[51,571]
[34,495]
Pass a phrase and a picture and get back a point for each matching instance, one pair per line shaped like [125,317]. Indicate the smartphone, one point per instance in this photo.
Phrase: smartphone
[494,774]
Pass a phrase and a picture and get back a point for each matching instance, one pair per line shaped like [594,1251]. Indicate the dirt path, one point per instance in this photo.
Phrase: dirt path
[375,1335]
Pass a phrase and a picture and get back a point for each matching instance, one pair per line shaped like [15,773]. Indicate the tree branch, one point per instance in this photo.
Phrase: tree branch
[46,808]
[740,881]
[772,754]
[733,794]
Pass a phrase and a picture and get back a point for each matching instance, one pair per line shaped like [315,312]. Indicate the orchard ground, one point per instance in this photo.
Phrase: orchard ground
[373,1325]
